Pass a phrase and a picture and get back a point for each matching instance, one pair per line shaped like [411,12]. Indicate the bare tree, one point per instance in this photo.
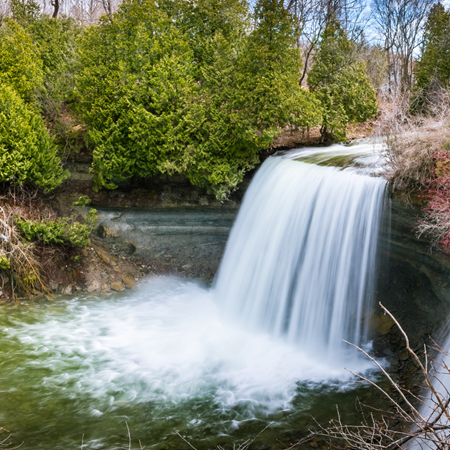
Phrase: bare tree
[312,17]
[4,10]
[55,4]
[399,25]
[108,7]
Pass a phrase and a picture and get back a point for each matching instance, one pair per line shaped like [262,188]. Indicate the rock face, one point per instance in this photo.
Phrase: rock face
[94,286]
[413,282]
[186,241]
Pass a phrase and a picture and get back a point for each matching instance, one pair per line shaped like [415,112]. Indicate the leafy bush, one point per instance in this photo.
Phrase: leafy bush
[341,84]
[160,101]
[5,263]
[27,153]
[56,41]
[25,11]
[61,231]
[84,200]
[134,84]
[249,94]
[20,62]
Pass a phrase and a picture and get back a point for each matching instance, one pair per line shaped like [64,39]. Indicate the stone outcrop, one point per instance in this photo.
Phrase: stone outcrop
[413,282]
[167,226]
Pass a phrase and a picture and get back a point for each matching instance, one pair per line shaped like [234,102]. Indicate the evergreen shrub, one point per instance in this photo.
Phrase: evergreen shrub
[27,152]
[158,102]
[61,231]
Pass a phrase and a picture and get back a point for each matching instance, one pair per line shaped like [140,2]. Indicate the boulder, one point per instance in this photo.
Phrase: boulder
[67,290]
[128,280]
[117,286]
[103,254]
[94,286]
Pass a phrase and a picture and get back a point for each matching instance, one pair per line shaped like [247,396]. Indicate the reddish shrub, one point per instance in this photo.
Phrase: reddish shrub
[436,220]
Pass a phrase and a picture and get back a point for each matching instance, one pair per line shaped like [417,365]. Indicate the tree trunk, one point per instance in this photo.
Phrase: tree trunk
[55,4]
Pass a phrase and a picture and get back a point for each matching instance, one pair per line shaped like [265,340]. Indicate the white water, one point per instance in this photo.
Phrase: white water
[174,355]
[300,260]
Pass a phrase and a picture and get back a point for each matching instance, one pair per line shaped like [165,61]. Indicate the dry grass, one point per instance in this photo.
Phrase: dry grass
[413,140]
[26,275]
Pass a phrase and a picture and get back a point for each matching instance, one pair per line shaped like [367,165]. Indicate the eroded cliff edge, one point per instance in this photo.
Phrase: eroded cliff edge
[167,226]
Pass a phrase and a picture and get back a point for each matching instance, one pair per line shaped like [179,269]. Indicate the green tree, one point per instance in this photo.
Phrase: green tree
[133,87]
[339,81]
[249,94]
[203,19]
[27,153]
[157,102]
[433,68]
[25,11]
[55,40]
[20,62]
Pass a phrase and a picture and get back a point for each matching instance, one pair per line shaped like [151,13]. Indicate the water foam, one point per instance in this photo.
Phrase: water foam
[300,260]
[166,342]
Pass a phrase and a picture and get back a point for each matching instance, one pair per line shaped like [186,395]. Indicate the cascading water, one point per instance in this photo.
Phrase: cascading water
[164,358]
[300,260]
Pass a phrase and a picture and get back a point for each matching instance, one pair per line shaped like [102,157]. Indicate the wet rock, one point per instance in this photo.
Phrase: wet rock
[117,286]
[95,285]
[101,232]
[112,233]
[54,285]
[383,324]
[386,326]
[67,290]
[130,247]
[128,281]
[103,254]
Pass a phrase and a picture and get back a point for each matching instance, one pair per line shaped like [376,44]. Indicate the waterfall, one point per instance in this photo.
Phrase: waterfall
[301,258]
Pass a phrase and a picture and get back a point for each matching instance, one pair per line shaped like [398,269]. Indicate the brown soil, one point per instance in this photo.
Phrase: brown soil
[297,138]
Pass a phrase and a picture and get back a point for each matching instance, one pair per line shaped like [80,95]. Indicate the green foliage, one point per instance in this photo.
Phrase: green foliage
[249,94]
[341,84]
[5,263]
[433,68]
[25,11]
[202,20]
[84,200]
[133,86]
[27,153]
[56,41]
[204,103]
[61,231]
[20,62]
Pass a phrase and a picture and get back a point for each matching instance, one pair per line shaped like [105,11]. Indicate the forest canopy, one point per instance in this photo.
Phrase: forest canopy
[203,88]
